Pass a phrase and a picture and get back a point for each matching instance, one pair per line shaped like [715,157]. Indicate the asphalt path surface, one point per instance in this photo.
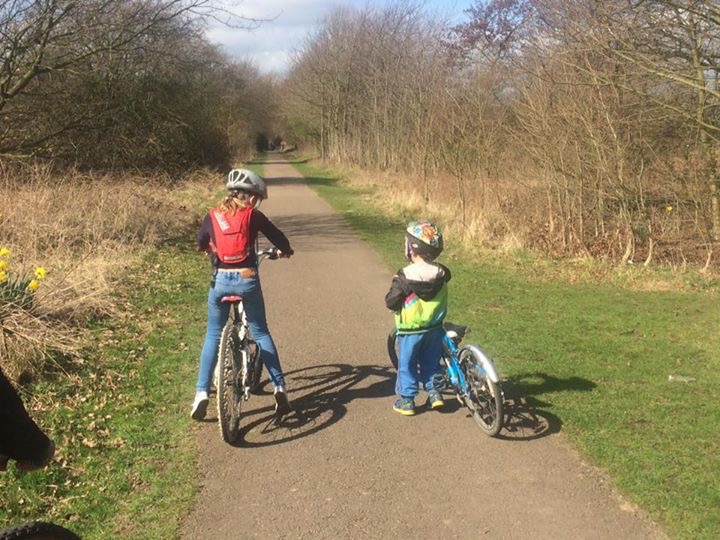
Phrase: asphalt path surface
[343,464]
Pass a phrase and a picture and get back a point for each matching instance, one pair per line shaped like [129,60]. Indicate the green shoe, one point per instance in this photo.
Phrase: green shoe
[405,406]
[435,400]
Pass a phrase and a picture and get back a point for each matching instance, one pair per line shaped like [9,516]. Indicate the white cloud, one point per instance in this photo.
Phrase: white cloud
[271,44]
[288,24]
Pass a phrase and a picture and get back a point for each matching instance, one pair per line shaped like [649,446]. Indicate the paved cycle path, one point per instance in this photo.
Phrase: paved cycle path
[344,465]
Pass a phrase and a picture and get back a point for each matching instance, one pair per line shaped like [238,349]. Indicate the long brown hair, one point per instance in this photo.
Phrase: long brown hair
[234,202]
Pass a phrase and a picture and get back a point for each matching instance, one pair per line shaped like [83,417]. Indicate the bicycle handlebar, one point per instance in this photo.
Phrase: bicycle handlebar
[272,254]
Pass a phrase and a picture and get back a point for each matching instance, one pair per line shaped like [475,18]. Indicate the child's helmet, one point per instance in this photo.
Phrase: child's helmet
[424,239]
[248,181]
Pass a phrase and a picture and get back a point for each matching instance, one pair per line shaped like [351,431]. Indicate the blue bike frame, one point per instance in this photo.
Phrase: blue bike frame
[455,374]
[457,379]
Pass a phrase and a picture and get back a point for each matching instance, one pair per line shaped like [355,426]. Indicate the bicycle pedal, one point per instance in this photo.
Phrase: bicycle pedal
[440,382]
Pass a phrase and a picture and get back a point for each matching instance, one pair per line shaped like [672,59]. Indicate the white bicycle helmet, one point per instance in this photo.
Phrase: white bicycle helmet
[248,181]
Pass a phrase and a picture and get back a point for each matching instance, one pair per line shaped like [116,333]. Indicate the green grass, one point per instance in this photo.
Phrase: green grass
[126,462]
[595,358]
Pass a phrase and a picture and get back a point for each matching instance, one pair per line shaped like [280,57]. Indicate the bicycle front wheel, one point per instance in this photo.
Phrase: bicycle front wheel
[484,397]
[229,396]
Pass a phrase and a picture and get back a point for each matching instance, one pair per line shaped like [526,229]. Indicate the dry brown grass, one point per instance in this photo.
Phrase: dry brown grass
[485,222]
[509,218]
[658,223]
[85,229]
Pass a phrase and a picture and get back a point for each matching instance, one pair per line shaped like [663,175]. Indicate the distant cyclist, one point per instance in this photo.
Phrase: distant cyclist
[228,233]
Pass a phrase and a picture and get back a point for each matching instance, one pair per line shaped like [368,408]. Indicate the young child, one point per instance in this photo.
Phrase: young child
[419,296]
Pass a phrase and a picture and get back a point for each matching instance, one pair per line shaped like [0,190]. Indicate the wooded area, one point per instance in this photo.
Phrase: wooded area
[578,127]
[132,84]
[583,127]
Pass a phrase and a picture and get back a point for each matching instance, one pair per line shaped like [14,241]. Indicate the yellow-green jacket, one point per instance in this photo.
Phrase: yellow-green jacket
[419,297]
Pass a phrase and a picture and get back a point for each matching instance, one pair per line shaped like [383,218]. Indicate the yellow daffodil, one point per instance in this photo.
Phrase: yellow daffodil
[5,252]
[668,209]
[40,273]
[33,285]
[3,277]
[3,266]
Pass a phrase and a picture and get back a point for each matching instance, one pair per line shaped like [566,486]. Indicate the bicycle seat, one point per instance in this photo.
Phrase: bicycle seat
[458,329]
[230,299]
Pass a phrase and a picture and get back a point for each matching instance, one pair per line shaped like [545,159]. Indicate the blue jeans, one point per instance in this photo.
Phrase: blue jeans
[226,283]
[418,350]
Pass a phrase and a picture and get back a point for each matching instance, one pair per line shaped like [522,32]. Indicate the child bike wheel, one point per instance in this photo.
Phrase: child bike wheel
[392,348]
[484,399]
[229,397]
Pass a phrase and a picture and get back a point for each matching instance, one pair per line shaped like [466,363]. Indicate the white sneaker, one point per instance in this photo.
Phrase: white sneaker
[282,405]
[199,407]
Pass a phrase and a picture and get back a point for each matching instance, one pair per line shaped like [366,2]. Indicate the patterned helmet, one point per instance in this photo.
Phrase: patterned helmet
[245,180]
[424,239]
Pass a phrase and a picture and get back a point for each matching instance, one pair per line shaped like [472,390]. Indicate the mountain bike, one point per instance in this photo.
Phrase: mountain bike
[467,372]
[37,530]
[239,365]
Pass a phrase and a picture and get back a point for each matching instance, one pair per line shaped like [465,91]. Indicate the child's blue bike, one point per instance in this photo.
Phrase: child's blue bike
[469,373]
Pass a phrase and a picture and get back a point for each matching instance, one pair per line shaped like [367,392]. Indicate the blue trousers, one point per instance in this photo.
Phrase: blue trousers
[418,351]
[227,283]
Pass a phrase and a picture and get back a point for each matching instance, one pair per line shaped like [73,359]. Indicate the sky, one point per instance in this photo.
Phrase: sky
[271,45]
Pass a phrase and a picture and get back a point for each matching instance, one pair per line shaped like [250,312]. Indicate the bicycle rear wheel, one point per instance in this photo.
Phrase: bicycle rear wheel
[392,347]
[484,398]
[38,530]
[229,396]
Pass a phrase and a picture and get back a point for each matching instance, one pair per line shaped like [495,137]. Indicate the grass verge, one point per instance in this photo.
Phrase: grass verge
[593,358]
[126,457]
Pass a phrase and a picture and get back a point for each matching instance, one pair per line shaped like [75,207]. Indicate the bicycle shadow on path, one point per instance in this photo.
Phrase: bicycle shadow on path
[526,418]
[319,397]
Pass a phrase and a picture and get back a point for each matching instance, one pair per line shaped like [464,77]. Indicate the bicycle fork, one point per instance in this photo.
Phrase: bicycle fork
[454,378]
[245,374]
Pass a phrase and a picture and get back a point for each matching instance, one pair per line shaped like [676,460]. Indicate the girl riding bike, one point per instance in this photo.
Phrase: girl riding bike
[229,233]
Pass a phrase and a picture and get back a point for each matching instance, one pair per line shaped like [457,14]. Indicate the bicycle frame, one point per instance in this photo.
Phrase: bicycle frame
[455,374]
[457,379]
[238,315]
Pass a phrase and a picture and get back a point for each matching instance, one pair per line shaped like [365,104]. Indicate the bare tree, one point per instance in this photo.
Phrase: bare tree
[110,83]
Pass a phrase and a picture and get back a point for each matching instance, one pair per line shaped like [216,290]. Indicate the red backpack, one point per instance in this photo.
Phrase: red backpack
[232,234]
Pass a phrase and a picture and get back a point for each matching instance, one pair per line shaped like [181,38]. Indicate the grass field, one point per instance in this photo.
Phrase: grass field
[594,358]
[126,456]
